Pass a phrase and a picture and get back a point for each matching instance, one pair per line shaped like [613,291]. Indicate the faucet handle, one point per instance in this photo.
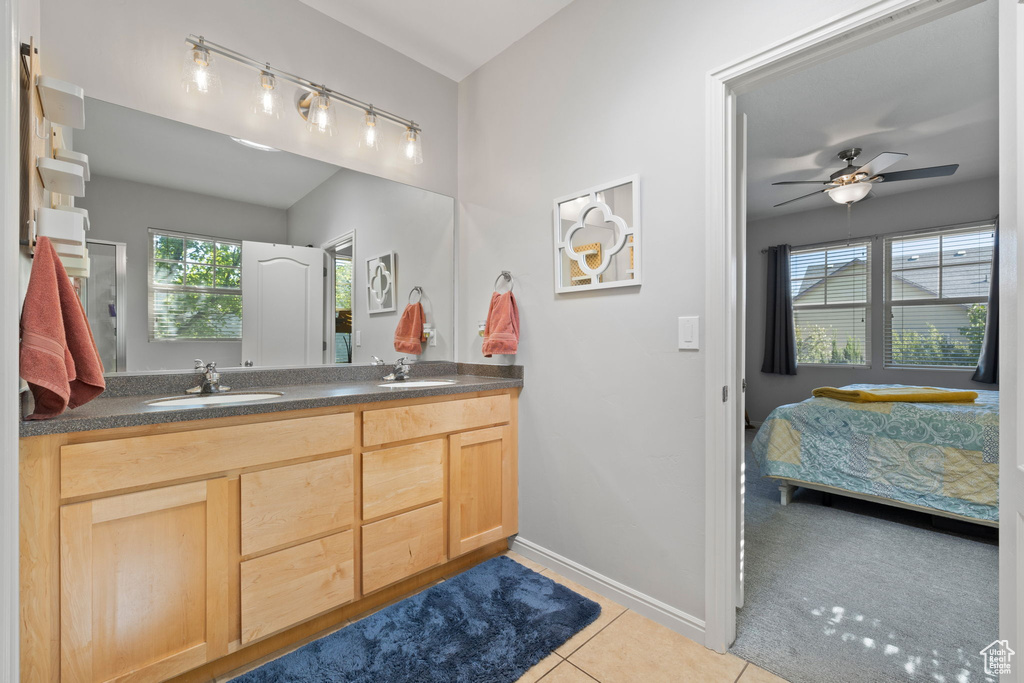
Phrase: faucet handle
[200,365]
[211,367]
[377,361]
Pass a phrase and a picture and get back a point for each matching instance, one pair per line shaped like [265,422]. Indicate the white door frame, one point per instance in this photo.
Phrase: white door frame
[10,307]
[849,31]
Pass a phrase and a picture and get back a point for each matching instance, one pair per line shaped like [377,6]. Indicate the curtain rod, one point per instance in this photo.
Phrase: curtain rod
[863,238]
[216,48]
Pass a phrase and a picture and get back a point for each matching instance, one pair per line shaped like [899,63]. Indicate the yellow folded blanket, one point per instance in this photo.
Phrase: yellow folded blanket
[903,394]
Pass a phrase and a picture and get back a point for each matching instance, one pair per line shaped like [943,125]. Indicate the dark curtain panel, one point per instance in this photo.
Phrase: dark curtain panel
[779,336]
[988,363]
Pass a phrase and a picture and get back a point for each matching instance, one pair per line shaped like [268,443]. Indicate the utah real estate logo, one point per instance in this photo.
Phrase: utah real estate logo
[997,658]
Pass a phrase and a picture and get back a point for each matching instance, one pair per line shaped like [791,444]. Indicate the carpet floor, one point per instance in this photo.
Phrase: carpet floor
[487,625]
[858,592]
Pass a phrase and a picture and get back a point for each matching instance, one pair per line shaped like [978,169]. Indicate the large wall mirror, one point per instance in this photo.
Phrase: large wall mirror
[241,254]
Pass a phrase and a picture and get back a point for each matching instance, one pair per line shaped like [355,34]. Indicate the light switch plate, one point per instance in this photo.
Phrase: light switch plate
[359,339]
[689,332]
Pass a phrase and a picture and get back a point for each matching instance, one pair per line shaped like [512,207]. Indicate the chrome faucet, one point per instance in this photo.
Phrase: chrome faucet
[210,383]
[400,372]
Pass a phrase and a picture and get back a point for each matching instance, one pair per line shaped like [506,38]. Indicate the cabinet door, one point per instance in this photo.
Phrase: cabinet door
[144,583]
[483,503]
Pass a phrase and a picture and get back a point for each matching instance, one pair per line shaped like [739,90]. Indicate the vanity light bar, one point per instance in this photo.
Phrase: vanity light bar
[201,42]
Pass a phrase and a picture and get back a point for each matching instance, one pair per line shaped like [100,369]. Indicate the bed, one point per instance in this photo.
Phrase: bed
[941,458]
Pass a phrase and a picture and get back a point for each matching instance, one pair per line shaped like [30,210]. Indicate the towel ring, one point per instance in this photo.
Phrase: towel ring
[508,278]
[416,290]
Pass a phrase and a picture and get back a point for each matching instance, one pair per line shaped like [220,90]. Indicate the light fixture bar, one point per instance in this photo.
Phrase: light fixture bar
[200,41]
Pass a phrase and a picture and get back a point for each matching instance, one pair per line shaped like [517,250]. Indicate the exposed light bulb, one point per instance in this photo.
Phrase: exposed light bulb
[412,150]
[371,133]
[320,118]
[267,96]
[198,73]
[848,194]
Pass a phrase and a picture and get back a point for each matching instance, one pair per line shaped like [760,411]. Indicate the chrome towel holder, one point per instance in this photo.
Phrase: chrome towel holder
[508,278]
[416,290]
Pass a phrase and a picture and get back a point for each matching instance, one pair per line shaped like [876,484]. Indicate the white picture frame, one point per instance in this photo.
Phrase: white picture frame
[381,283]
[614,256]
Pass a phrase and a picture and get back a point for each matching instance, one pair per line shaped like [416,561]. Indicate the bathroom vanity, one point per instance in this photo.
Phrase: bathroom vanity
[187,544]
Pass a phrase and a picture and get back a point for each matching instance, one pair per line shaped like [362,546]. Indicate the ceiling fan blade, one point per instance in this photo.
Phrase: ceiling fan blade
[880,163]
[799,198]
[804,182]
[919,173]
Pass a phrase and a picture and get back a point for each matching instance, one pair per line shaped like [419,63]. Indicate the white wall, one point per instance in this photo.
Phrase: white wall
[123,211]
[415,224]
[966,202]
[611,419]
[131,53]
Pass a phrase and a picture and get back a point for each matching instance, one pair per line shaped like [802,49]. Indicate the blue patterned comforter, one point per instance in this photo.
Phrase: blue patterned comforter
[943,456]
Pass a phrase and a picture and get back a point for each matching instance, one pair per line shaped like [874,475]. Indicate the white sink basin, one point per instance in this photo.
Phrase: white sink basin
[418,384]
[201,400]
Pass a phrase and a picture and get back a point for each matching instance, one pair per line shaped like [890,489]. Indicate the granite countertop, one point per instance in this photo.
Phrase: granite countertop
[114,410]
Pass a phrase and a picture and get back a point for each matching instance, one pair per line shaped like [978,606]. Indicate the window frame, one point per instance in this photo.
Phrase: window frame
[866,242]
[887,300]
[153,287]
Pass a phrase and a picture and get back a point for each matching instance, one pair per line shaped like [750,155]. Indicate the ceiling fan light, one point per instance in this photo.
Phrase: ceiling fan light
[848,194]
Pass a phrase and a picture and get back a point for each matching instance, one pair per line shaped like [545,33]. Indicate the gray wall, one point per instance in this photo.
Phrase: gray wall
[123,211]
[971,201]
[611,465]
[132,54]
[416,224]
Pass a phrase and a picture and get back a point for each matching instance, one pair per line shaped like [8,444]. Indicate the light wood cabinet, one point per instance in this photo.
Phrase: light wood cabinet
[396,479]
[288,504]
[483,496]
[401,546]
[184,550]
[144,583]
[283,588]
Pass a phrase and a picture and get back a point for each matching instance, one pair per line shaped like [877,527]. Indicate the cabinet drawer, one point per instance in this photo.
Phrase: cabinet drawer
[102,466]
[401,546]
[289,586]
[288,504]
[400,478]
[417,421]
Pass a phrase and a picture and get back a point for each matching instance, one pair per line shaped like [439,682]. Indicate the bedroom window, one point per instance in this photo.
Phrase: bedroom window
[195,288]
[831,288]
[937,286]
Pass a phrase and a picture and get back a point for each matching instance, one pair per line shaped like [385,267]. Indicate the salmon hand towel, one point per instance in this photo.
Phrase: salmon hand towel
[58,356]
[501,334]
[409,333]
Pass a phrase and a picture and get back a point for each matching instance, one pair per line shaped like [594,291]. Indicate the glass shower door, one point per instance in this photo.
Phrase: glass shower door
[103,294]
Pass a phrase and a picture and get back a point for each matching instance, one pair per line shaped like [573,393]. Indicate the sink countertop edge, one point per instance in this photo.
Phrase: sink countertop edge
[132,411]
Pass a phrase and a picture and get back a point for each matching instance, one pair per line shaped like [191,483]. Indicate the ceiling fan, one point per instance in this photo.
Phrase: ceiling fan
[852,184]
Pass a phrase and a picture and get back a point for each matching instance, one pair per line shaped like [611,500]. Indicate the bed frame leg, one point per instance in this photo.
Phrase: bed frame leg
[786,490]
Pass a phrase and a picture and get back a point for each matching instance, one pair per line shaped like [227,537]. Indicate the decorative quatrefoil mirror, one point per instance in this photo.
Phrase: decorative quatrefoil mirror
[380,283]
[597,237]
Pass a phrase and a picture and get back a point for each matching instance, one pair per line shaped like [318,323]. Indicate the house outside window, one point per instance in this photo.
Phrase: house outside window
[831,289]
[937,286]
[195,287]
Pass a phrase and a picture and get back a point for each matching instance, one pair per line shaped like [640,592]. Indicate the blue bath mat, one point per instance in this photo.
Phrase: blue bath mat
[487,625]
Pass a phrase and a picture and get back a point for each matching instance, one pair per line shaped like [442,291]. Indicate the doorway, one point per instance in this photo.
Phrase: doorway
[725,235]
[340,340]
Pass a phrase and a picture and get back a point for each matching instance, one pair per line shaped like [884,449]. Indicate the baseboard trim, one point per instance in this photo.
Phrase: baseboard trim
[652,608]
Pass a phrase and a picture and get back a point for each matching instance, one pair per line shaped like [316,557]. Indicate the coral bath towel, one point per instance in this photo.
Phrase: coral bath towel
[897,394]
[58,355]
[409,333]
[501,334]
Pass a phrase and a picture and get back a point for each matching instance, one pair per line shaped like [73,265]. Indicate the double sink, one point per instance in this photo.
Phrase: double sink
[206,400]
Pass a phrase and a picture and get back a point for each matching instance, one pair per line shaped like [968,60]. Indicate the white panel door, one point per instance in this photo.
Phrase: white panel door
[282,304]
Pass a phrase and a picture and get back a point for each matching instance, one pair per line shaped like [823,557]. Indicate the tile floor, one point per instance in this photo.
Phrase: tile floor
[619,647]
[622,646]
